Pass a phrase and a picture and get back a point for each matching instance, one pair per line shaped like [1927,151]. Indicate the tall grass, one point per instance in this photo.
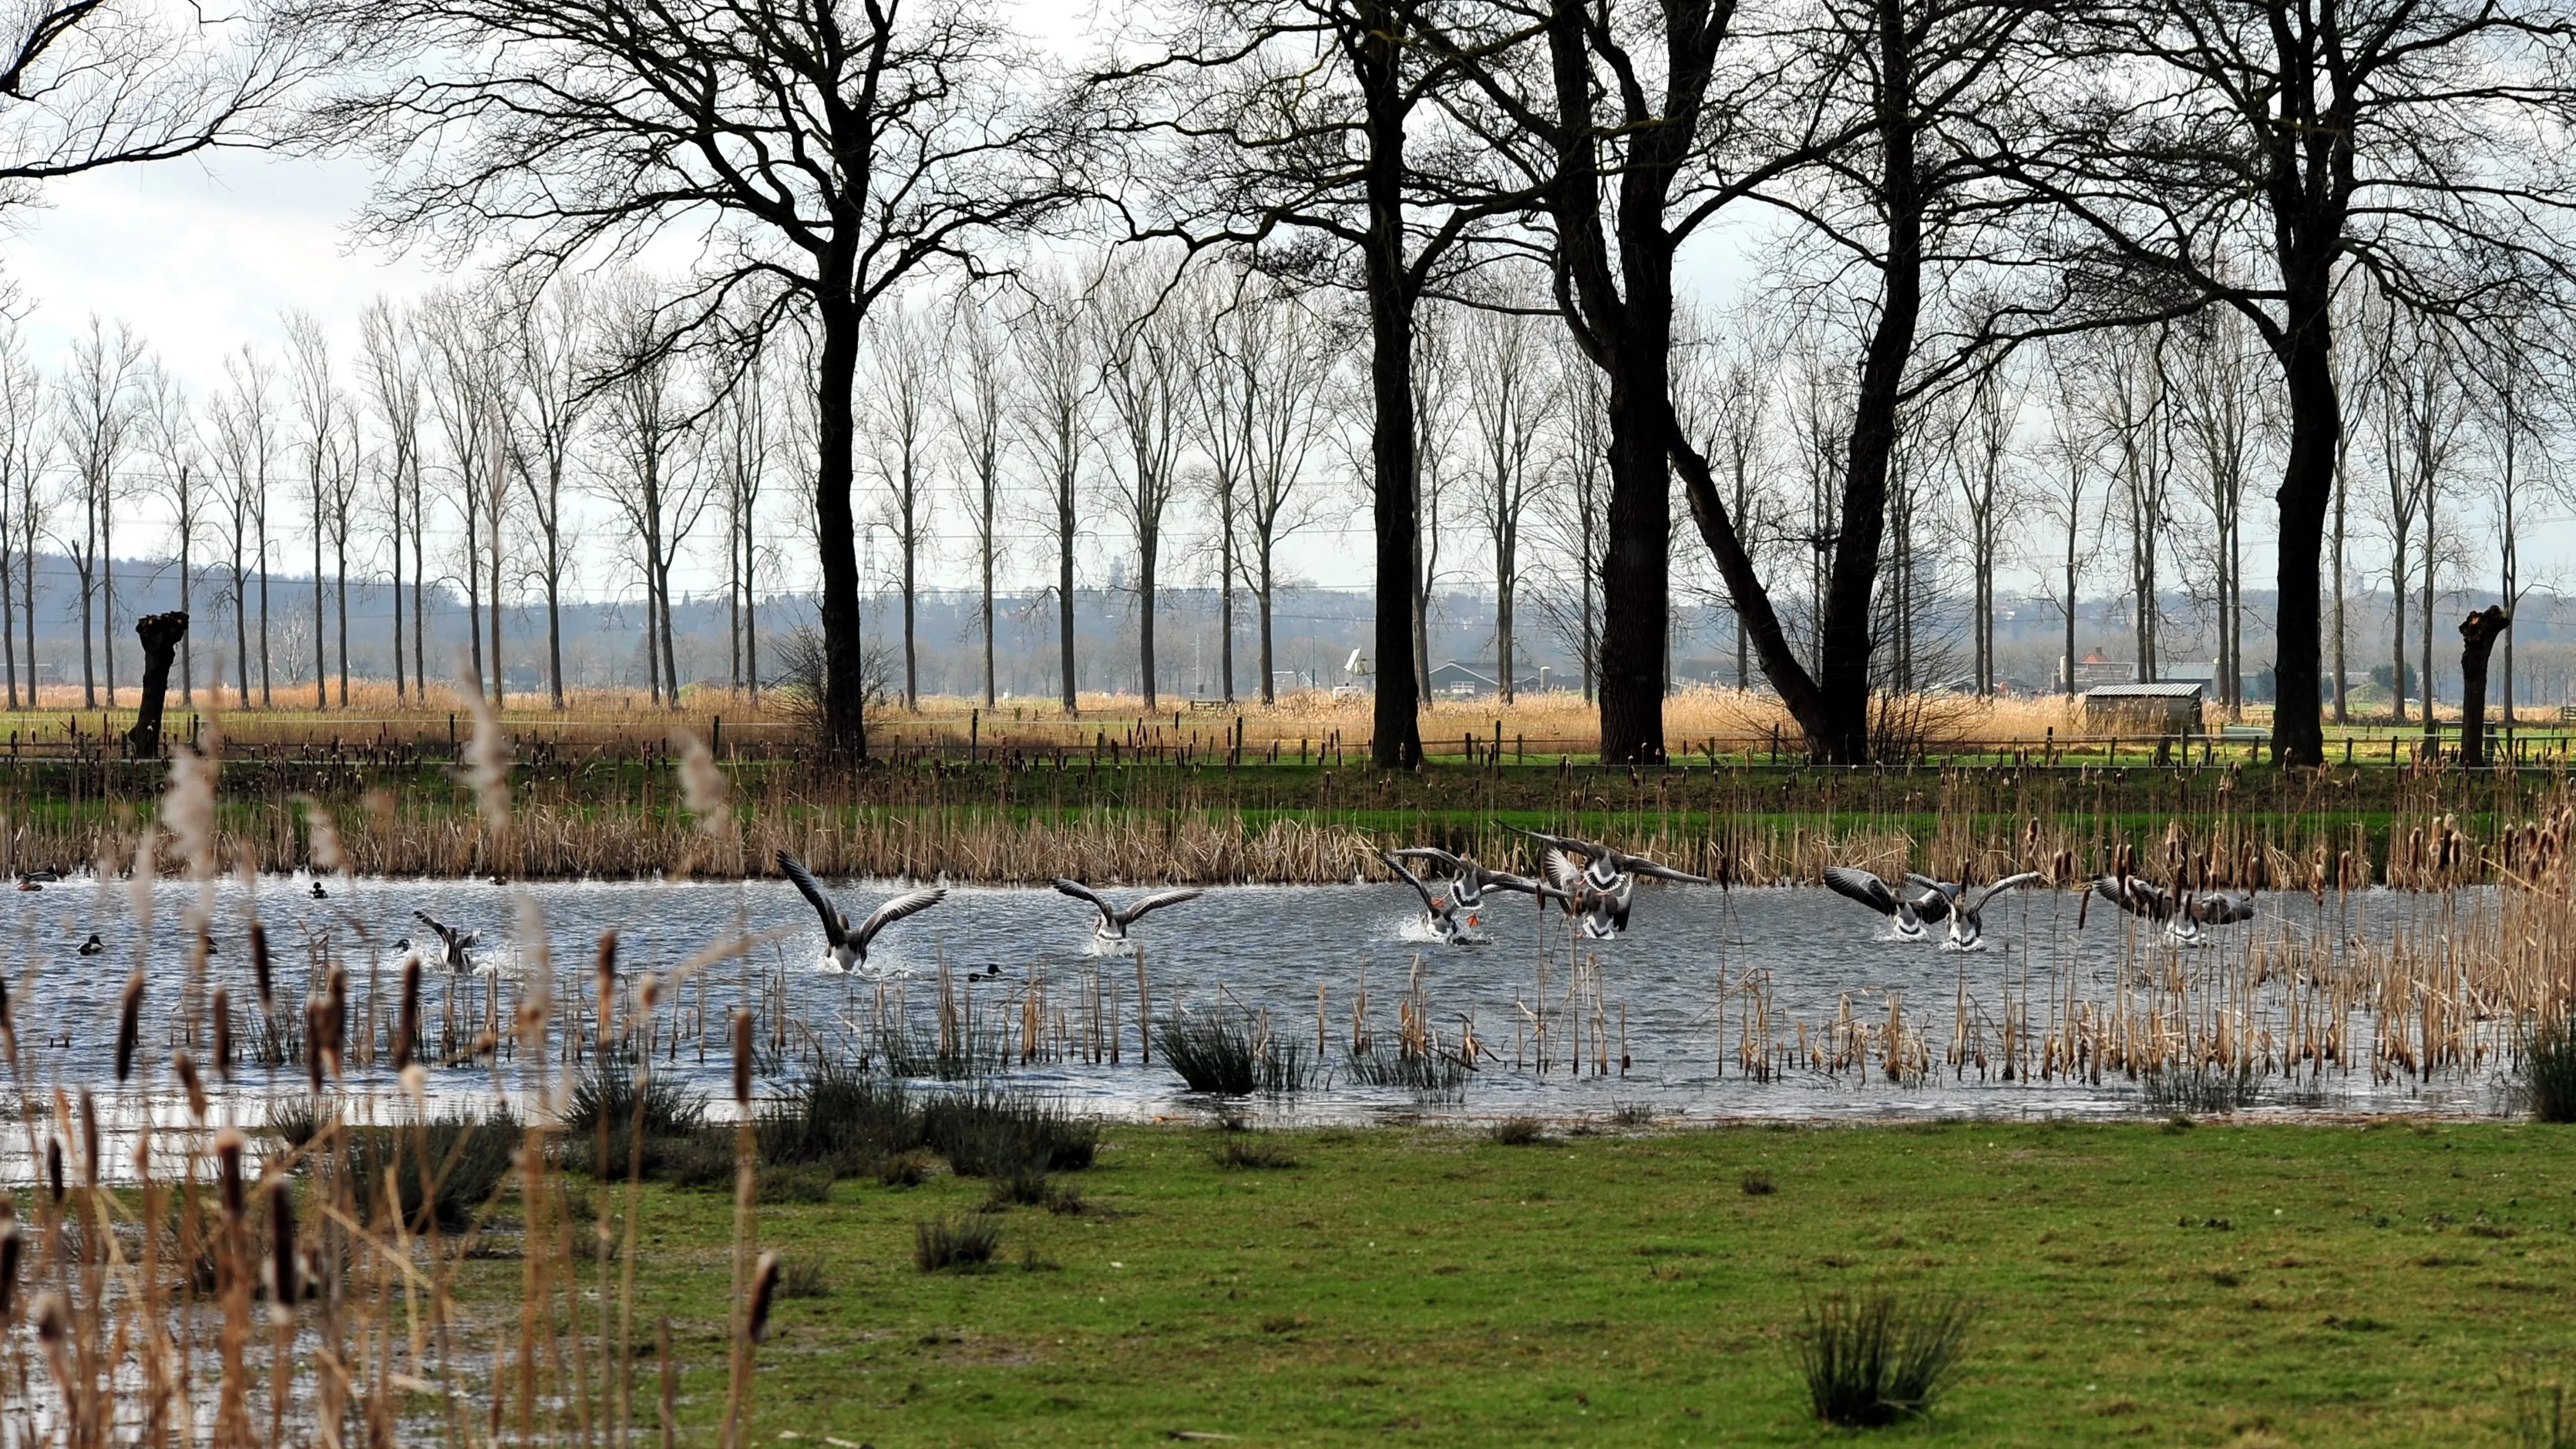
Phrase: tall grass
[1231,1054]
[1874,1358]
[2549,1069]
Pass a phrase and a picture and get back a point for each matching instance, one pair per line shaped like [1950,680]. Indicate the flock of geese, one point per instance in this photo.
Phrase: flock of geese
[1922,902]
[1592,884]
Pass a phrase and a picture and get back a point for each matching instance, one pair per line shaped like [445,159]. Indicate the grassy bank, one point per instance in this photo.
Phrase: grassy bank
[2225,1284]
[1029,817]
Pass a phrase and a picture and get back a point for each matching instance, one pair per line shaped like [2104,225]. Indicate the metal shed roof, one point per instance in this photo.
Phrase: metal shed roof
[2162,689]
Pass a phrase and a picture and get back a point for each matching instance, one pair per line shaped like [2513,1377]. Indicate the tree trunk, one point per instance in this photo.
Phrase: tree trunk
[1064,595]
[161,635]
[321,666]
[2478,634]
[2307,491]
[1396,740]
[1148,551]
[844,687]
[554,636]
[1504,582]
[340,588]
[1269,663]
[400,684]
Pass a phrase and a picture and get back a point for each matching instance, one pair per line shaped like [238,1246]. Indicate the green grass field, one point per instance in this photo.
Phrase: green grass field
[2223,1284]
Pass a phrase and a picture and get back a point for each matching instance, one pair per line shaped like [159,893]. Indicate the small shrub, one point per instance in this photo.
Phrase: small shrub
[703,1159]
[984,1132]
[1234,1056]
[795,1184]
[844,1118]
[606,1099]
[1066,1201]
[1758,1183]
[2203,1090]
[1872,1360]
[2549,1069]
[941,1243]
[904,1169]
[1023,1185]
[1252,1153]
[444,1170]
[800,1279]
[1519,1132]
[1632,1114]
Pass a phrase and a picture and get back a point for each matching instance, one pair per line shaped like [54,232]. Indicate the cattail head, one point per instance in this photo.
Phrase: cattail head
[54,1335]
[259,966]
[54,1168]
[415,1080]
[228,1171]
[322,835]
[188,810]
[487,760]
[702,785]
[313,1028]
[764,1290]
[89,1139]
[648,992]
[222,1007]
[335,1017]
[407,1022]
[129,1024]
[604,968]
[282,1283]
[186,1066]
[742,1058]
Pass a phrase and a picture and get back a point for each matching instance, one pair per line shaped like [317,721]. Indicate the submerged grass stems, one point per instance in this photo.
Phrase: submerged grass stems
[1874,1358]
[2206,1090]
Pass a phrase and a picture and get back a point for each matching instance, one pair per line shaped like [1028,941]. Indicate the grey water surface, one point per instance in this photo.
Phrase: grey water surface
[1673,993]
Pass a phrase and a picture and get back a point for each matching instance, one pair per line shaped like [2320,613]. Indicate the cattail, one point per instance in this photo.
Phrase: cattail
[764,1288]
[186,1066]
[335,1017]
[605,967]
[54,1332]
[54,1168]
[742,1058]
[89,1139]
[228,1171]
[223,1013]
[322,835]
[281,1252]
[129,1025]
[313,1044]
[259,966]
[407,1022]
[12,1245]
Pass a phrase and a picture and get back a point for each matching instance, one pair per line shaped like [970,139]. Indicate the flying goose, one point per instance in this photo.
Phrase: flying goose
[1605,863]
[1600,912]
[850,947]
[1114,920]
[1470,879]
[1967,908]
[1907,914]
[2182,912]
[1439,910]
[455,944]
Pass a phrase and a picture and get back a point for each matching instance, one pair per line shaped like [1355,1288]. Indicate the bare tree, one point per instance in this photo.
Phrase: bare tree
[901,401]
[319,413]
[1988,500]
[2072,457]
[2130,409]
[1437,408]
[97,404]
[468,348]
[247,448]
[1221,383]
[389,343]
[1055,426]
[2521,400]
[1575,510]
[2223,414]
[170,427]
[1286,368]
[25,446]
[741,450]
[658,489]
[976,397]
[551,388]
[1143,357]
[1513,403]
[830,151]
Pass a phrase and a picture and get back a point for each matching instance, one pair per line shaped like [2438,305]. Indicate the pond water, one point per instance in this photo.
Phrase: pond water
[1787,1002]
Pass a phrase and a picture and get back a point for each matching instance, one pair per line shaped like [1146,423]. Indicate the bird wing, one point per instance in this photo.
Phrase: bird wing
[444,933]
[1947,890]
[1431,853]
[2137,897]
[908,904]
[1495,880]
[2217,908]
[2010,882]
[835,929]
[1156,902]
[1561,871]
[1081,892]
[1639,865]
[1861,886]
[1410,879]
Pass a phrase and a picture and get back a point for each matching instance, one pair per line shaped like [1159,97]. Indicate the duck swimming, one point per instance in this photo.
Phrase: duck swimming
[93,946]
[1114,920]
[849,947]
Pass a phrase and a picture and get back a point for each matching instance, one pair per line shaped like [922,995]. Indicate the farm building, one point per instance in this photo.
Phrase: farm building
[2167,708]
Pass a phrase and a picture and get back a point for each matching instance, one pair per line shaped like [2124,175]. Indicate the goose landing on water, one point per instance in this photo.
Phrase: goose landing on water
[456,945]
[2182,912]
[1907,915]
[1468,880]
[1439,908]
[1111,929]
[1600,912]
[849,948]
[1967,908]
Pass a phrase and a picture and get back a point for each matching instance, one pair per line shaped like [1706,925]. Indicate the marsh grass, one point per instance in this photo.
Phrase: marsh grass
[1519,1132]
[1244,1150]
[842,1118]
[963,1242]
[2203,1090]
[2548,1075]
[444,1171]
[986,1132]
[1232,1054]
[1872,1359]
[1407,1066]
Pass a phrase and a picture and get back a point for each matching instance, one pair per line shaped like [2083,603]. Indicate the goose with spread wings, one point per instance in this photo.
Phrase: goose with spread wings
[1599,912]
[1467,878]
[1605,864]
[1439,908]
[455,946]
[1968,906]
[1907,914]
[849,945]
[2182,912]
[1115,919]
